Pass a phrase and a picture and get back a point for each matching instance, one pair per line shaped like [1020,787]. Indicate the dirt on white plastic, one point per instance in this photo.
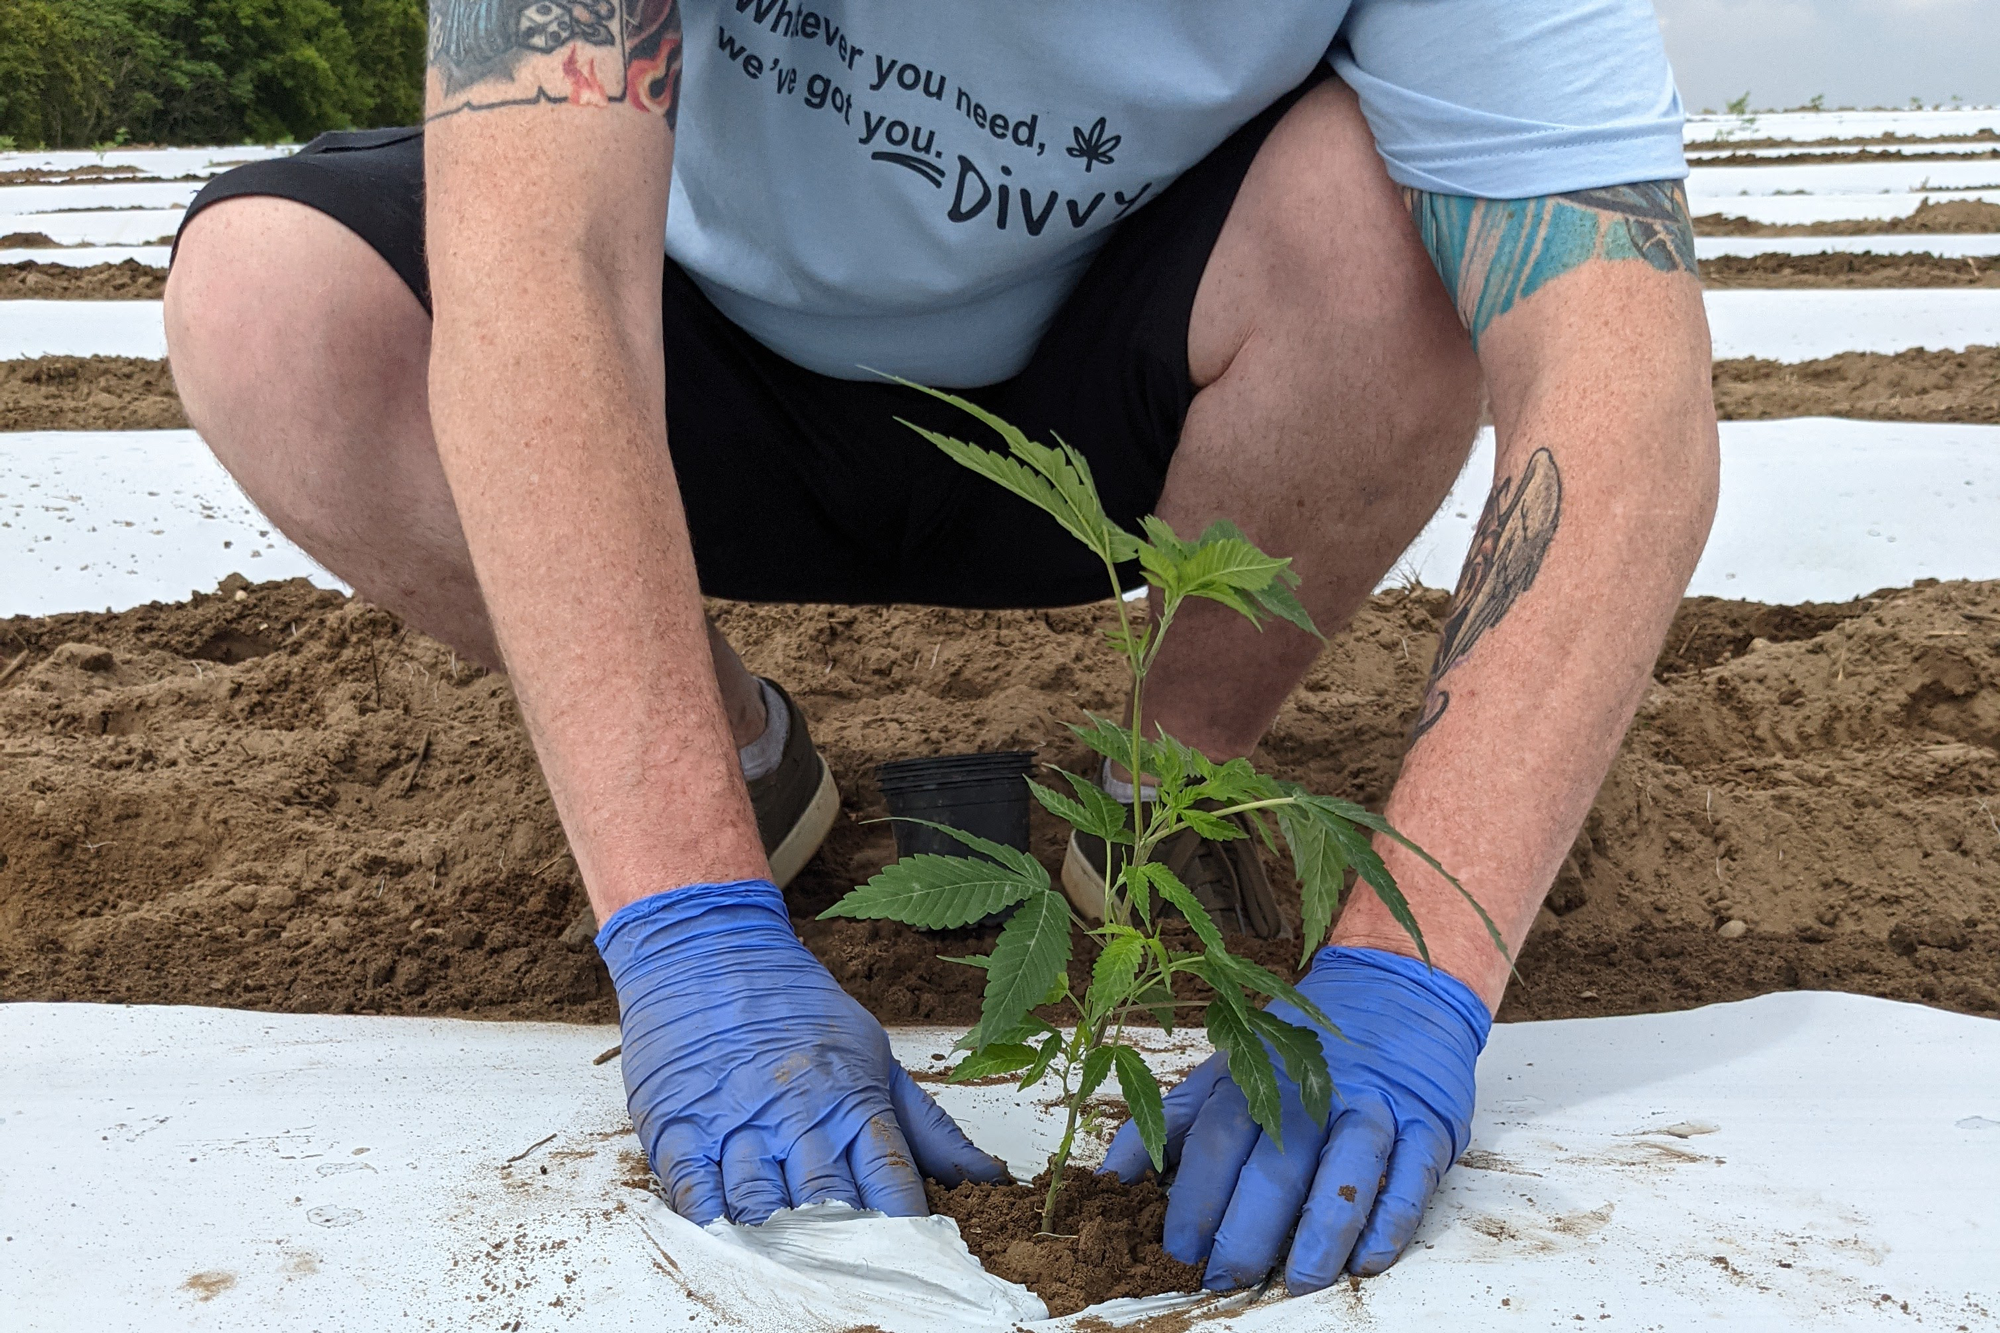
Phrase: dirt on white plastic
[1798,1160]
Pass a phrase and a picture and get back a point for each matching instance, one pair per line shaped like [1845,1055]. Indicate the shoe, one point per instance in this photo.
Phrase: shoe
[796,802]
[1226,877]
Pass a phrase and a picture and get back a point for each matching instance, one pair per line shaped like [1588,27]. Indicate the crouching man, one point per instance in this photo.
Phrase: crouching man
[591,344]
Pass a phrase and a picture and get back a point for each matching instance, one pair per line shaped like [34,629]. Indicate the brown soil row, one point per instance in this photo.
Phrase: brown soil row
[1849,141]
[1955,217]
[1840,269]
[127,280]
[1872,386]
[88,393]
[36,240]
[290,802]
[126,393]
[1746,158]
[130,280]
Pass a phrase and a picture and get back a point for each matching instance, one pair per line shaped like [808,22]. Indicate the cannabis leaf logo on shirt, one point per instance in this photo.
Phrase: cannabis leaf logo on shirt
[1094,145]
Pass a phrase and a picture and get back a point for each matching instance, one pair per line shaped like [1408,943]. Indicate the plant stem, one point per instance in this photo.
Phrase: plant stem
[1058,1161]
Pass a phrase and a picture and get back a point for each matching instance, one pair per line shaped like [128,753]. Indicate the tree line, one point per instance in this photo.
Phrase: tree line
[87,73]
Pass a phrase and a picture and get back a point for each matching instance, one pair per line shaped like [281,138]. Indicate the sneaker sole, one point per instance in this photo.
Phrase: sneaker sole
[1083,884]
[789,857]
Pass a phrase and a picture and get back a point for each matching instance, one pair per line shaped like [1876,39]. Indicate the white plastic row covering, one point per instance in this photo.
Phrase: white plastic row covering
[19,201]
[1804,325]
[1783,325]
[1796,209]
[1796,1161]
[152,161]
[1811,510]
[96,195]
[139,226]
[1845,178]
[1808,125]
[1947,246]
[153,256]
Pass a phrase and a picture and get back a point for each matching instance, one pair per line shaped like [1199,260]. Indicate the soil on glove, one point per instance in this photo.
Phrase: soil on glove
[1956,216]
[127,280]
[1105,1243]
[1916,385]
[88,393]
[1842,269]
[292,802]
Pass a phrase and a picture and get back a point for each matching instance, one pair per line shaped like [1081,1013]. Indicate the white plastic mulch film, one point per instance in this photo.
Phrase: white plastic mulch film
[1795,1161]
[1812,509]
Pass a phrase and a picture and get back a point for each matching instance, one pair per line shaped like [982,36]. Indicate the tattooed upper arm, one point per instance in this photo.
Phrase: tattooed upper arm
[1495,253]
[491,53]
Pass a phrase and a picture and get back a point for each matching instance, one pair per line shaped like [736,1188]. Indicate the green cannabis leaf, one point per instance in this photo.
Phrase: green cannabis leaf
[1132,975]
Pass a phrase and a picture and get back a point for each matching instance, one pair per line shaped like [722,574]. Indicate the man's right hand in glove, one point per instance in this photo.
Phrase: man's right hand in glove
[755,1082]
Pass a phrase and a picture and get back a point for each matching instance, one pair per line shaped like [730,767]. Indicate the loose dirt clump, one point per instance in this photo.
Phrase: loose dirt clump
[28,240]
[1106,1242]
[1965,216]
[1916,385]
[88,393]
[292,802]
[1848,269]
[127,280]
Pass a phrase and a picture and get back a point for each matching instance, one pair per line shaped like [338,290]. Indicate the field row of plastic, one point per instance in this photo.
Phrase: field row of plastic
[1812,510]
[1791,1161]
[1779,325]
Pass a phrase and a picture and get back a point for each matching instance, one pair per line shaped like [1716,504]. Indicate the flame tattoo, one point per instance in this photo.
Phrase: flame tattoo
[494,53]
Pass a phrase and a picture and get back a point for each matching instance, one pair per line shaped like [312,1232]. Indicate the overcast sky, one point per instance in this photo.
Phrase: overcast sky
[1856,52]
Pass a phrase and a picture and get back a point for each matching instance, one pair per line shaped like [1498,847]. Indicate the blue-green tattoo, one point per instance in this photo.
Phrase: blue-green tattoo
[1495,253]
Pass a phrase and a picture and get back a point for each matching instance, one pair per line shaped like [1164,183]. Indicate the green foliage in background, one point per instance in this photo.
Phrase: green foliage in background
[88,73]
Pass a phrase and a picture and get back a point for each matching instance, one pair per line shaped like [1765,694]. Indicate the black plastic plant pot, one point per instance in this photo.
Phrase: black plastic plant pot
[983,794]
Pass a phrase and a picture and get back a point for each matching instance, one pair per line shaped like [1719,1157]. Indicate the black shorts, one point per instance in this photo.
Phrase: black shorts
[803,488]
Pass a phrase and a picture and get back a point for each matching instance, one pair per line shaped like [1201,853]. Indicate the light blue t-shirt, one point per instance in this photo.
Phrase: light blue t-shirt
[915,187]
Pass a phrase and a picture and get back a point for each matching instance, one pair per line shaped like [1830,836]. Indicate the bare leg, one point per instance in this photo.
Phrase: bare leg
[301,358]
[1339,400]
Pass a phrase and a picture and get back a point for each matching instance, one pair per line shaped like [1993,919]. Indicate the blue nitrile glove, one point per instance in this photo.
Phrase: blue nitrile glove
[755,1082]
[1402,1113]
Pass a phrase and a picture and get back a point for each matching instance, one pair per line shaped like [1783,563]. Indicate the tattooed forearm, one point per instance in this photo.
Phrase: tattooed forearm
[1514,533]
[490,53]
[1495,253]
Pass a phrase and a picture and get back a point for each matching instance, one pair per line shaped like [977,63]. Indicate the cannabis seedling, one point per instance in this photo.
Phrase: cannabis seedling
[1135,970]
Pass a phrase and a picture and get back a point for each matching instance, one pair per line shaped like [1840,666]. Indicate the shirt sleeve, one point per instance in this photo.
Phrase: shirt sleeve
[1510,99]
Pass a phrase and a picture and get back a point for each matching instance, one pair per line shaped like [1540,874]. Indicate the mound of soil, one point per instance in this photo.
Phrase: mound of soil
[127,280]
[1956,216]
[1106,1241]
[291,802]
[27,240]
[1916,385]
[1863,269]
[88,393]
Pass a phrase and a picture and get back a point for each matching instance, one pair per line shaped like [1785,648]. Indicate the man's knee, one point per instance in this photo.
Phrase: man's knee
[1320,251]
[287,334]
